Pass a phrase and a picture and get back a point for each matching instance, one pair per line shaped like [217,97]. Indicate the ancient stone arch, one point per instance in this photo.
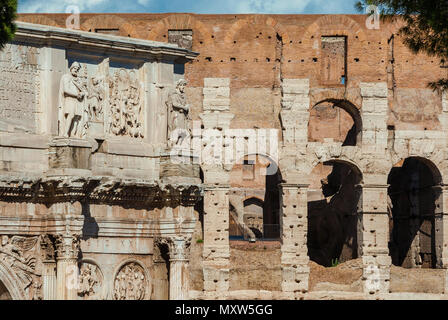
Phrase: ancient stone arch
[125,28]
[352,109]
[257,19]
[333,25]
[417,213]
[333,208]
[11,282]
[180,22]
[320,153]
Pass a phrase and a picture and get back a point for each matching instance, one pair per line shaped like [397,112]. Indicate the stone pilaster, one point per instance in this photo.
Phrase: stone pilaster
[216,117]
[374,116]
[67,250]
[373,238]
[295,111]
[49,280]
[178,247]
[294,225]
[216,252]
[441,225]
[160,279]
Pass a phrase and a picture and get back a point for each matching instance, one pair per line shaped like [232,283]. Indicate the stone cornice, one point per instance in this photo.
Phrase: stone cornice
[129,193]
[68,37]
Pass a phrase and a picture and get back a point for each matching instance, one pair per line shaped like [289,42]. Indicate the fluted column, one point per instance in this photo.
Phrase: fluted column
[67,250]
[49,280]
[178,247]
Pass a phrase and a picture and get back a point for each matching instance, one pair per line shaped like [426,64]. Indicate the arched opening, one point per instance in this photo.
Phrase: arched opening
[413,201]
[4,293]
[335,120]
[254,199]
[333,199]
[253,215]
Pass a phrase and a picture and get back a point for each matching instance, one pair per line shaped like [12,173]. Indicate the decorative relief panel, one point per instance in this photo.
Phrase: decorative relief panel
[90,98]
[19,88]
[23,257]
[90,281]
[130,282]
[126,104]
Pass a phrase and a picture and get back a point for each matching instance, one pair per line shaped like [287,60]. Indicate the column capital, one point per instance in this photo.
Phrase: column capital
[67,246]
[178,246]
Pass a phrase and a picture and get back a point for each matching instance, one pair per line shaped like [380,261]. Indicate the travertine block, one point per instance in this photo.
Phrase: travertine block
[216,82]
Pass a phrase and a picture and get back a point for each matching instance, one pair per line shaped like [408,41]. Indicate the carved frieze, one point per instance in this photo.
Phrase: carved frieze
[23,257]
[98,190]
[130,282]
[126,104]
[85,98]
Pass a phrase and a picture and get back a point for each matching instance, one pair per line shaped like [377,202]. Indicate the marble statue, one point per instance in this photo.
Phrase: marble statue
[72,92]
[178,115]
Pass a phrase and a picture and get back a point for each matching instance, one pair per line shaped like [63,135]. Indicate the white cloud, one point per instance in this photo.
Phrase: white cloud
[32,6]
[274,6]
[197,6]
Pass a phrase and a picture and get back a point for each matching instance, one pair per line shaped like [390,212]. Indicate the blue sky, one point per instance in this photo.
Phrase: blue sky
[196,6]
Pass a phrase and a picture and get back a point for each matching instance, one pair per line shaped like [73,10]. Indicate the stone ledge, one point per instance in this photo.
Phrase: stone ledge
[136,148]
[97,190]
[23,140]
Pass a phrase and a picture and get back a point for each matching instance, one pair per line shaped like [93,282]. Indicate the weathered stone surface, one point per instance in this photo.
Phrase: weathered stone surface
[113,190]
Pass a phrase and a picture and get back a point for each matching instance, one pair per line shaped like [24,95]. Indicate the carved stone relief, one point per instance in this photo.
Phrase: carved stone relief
[19,88]
[178,115]
[23,256]
[84,100]
[90,281]
[67,246]
[126,104]
[178,246]
[130,282]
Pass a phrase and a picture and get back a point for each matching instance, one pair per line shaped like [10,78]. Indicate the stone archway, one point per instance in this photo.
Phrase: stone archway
[331,110]
[415,209]
[11,283]
[4,293]
[334,197]
[254,199]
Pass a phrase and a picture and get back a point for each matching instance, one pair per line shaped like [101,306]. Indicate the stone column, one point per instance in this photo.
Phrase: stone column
[373,238]
[49,280]
[178,247]
[294,228]
[67,250]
